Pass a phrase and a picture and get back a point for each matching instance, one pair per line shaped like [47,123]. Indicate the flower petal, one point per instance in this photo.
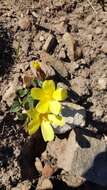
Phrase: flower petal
[32,113]
[37,93]
[60,94]
[54,107]
[47,131]
[36,64]
[56,119]
[42,107]
[33,126]
[48,85]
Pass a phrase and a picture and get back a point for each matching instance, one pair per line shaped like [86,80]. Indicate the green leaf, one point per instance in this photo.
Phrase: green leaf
[28,102]
[15,107]
[23,92]
[21,116]
[37,82]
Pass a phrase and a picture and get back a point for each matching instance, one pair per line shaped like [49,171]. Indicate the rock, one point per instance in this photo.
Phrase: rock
[54,63]
[63,151]
[78,53]
[44,184]
[104,47]
[80,85]
[62,85]
[37,45]
[25,23]
[70,45]
[72,67]
[38,165]
[60,28]
[102,83]
[99,111]
[16,45]
[74,51]
[10,92]
[89,19]
[47,170]
[74,115]
[41,38]
[90,37]
[25,185]
[62,54]
[81,155]
[25,46]
[74,181]
[59,3]
[50,44]
[98,30]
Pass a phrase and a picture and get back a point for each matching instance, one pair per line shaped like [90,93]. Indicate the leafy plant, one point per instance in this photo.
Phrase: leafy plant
[40,106]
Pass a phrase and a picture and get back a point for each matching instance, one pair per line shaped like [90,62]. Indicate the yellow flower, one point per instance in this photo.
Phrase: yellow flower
[36,64]
[45,121]
[49,97]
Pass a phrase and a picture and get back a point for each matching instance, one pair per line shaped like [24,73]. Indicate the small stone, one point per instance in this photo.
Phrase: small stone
[25,46]
[47,170]
[38,165]
[102,83]
[44,184]
[98,30]
[37,45]
[58,3]
[47,9]
[60,28]
[62,85]
[25,185]
[72,67]
[80,85]
[99,111]
[25,23]
[70,45]
[70,180]
[62,54]
[89,37]
[89,19]
[104,47]
[50,44]
[41,38]
[78,53]
[16,45]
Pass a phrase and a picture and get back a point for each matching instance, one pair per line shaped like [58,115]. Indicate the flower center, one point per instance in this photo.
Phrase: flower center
[43,117]
[47,95]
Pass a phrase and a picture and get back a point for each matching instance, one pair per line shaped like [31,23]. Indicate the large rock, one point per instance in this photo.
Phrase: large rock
[81,155]
[10,92]
[54,63]
[74,116]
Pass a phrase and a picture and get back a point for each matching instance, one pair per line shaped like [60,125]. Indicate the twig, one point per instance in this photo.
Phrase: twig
[92,7]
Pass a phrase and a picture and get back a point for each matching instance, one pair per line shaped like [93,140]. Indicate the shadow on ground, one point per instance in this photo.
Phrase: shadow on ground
[7,53]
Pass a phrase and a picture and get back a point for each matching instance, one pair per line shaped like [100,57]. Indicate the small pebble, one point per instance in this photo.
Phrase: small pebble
[102,82]
[25,23]
[98,30]
[104,47]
